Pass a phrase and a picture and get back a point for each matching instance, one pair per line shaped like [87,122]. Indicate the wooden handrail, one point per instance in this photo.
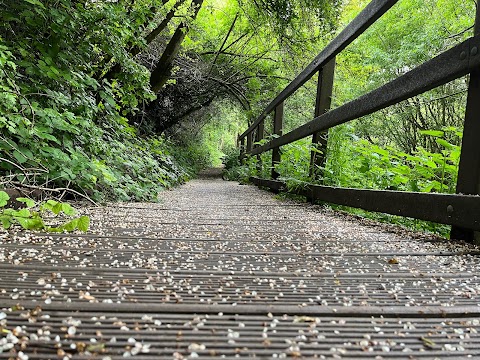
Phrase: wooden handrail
[440,70]
[459,210]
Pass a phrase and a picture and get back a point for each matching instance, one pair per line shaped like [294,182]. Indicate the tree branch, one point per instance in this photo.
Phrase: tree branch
[223,43]
[161,73]
[235,92]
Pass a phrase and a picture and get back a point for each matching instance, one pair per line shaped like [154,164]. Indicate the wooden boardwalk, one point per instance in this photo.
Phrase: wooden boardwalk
[221,270]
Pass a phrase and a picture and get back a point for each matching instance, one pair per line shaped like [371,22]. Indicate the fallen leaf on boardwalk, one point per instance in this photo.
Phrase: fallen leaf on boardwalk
[95,348]
[299,319]
[17,307]
[80,346]
[393,261]
[194,347]
[427,342]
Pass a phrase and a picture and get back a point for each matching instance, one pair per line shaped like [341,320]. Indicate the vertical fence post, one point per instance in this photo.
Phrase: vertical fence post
[242,149]
[277,130]
[259,137]
[469,169]
[249,141]
[322,105]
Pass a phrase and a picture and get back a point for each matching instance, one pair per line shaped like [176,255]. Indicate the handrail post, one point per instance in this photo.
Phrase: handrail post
[242,148]
[322,105]
[277,130]
[259,137]
[249,141]
[468,181]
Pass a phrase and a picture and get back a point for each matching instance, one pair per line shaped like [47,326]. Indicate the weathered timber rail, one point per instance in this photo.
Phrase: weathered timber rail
[221,270]
[460,210]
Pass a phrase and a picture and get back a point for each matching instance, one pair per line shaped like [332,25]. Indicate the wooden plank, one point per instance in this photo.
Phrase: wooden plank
[277,130]
[261,309]
[260,134]
[322,105]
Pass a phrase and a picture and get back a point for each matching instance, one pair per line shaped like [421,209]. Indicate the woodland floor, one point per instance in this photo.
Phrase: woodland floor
[218,269]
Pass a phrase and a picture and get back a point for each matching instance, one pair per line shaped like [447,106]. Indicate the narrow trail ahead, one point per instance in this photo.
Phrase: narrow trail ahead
[221,270]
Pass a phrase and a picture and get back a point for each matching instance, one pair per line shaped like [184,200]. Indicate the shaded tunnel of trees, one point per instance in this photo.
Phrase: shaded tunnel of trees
[119,99]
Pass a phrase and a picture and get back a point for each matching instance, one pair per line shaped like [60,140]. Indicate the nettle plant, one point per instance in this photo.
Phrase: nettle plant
[33,215]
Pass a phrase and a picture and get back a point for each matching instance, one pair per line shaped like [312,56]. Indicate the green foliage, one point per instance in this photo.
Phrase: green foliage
[231,159]
[394,45]
[30,219]
[286,19]
[295,164]
[356,163]
[236,171]
[60,119]
[232,166]
[375,167]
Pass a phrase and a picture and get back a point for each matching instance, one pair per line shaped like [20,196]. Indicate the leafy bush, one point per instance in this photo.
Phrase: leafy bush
[374,167]
[357,163]
[234,169]
[294,167]
[61,123]
[32,216]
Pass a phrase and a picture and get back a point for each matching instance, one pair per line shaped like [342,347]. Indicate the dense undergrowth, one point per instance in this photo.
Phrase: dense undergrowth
[64,126]
[360,164]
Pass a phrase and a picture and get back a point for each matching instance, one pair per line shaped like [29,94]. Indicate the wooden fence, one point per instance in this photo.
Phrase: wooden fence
[461,210]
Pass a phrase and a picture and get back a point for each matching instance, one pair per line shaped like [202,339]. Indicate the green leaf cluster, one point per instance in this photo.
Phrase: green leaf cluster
[30,219]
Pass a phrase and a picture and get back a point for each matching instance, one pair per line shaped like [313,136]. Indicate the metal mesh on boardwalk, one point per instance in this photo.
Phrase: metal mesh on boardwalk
[221,270]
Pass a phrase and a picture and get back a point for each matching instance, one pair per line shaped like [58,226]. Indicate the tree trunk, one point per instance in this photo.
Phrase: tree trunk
[134,50]
[161,73]
[155,32]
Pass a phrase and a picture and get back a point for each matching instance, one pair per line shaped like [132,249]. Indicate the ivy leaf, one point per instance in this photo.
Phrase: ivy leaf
[6,222]
[23,213]
[49,205]
[35,223]
[83,223]
[57,208]
[434,133]
[4,198]
[70,226]
[68,209]
[29,202]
